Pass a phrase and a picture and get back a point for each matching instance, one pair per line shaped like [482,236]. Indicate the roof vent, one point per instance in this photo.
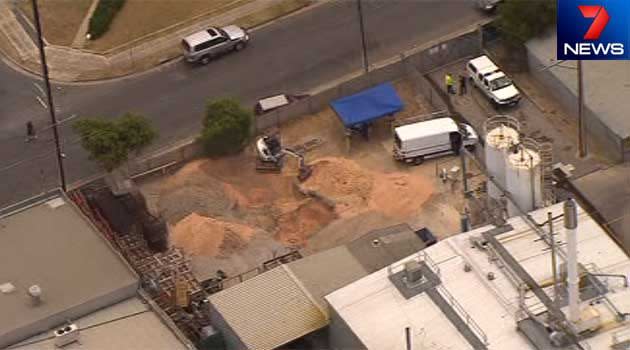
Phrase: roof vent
[66,335]
[413,273]
[35,292]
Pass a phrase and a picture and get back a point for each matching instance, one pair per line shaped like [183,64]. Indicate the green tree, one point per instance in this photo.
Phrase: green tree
[226,127]
[110,142]
[521,20]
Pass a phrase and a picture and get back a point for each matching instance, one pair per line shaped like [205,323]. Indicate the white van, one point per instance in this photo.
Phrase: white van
[492,81]
[413,143]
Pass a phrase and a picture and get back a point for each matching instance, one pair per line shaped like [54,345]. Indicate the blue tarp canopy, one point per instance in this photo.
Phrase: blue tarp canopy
[368,105]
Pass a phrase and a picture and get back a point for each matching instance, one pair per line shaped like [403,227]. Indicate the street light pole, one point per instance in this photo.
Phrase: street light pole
[581,136]
[363,44]
[51,107]
[582,149]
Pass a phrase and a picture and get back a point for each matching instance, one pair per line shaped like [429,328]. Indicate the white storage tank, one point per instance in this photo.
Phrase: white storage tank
[501,134]
[524,179]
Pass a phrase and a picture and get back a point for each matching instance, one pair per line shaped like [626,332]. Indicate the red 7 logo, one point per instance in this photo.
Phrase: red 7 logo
[599,23]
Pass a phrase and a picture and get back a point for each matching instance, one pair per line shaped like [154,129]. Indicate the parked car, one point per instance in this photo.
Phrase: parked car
[488,5]
[415,142]
[204,45]
[268,104]
[492,81]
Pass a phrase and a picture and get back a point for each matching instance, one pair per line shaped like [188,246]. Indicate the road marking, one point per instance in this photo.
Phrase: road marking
[41,102]
[41,89]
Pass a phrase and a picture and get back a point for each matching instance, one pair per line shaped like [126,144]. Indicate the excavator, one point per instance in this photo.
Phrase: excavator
[271,153]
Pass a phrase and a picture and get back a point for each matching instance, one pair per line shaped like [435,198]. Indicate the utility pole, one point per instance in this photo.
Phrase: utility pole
[363,44]
[582,149]
[51,107]
[582,152]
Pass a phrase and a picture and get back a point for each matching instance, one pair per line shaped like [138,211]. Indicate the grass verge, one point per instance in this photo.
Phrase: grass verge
[60,19]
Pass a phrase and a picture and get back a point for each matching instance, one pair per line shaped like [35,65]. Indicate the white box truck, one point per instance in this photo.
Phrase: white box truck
[413,143]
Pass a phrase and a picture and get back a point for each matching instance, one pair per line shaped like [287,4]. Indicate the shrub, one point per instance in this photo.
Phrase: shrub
[226,127]
[521,20]
[103,16]
[110,142]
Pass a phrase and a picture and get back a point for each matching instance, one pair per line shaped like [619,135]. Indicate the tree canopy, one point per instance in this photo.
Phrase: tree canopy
[110,142]
[521,20]
[226,127]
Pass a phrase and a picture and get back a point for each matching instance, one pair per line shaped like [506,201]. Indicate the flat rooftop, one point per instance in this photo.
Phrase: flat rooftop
[377,313]
[606,83]
[613,206]
[130,324]
[51,244]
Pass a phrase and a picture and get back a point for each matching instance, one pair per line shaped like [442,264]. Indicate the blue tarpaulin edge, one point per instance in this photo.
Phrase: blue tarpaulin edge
[368,105]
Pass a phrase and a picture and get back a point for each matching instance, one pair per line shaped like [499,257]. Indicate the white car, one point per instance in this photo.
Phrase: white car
[207,44]
[495,84]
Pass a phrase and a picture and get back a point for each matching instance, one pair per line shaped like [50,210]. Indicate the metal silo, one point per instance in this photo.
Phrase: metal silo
[523,177]
[501,134]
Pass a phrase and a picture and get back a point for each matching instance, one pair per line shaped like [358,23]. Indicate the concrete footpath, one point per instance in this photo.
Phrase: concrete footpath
[68,64]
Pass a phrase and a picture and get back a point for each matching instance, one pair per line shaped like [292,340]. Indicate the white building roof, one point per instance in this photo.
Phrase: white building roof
[374,309]
[51,244]
[426,128]
[130,324]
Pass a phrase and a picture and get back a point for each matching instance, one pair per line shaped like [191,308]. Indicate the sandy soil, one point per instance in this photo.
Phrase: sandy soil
[198,235]
[353,193]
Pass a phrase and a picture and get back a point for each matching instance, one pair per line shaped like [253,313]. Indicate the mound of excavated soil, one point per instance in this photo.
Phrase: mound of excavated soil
[343,181]
[199,235]
[300,220]
[354,189]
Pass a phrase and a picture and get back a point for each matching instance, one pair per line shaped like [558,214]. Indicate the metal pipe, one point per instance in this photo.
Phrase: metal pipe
[408,337]
[570,225]
[554,270]
[51,107]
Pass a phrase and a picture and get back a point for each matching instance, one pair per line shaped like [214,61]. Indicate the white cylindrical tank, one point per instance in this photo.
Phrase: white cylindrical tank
[523,179]
[502,133]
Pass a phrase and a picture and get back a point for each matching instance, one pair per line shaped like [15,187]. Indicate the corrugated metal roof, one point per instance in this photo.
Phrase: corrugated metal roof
[327,271]
[270,309]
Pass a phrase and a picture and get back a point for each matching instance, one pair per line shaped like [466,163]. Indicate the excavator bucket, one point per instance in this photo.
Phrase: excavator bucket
[305,173]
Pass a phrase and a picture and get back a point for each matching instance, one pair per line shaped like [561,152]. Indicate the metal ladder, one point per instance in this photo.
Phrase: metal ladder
[546,155]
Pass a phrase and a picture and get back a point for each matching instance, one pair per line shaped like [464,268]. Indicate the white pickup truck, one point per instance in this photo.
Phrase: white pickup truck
[492,82]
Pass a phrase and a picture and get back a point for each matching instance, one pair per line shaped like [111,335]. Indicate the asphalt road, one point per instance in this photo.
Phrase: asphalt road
[294,54]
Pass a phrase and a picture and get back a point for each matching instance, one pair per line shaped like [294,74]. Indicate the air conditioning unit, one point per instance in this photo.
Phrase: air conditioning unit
[66,335]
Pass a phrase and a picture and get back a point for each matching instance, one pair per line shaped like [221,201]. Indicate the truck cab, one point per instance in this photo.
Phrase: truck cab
[494,83]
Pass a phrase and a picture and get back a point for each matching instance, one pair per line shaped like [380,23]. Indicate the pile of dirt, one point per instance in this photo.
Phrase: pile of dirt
[354,189]
[199,235]
[300,220]
[343,181]
[191,190]
[399,195]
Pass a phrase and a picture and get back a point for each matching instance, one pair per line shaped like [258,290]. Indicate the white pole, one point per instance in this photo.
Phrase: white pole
[570,224]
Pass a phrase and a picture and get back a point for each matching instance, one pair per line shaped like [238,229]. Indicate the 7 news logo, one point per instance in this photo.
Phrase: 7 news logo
[589,30]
